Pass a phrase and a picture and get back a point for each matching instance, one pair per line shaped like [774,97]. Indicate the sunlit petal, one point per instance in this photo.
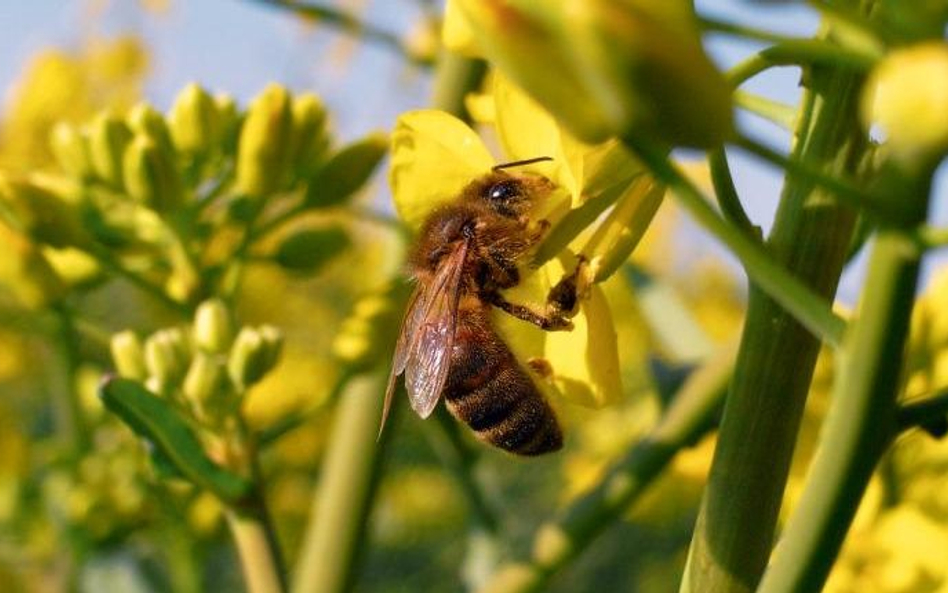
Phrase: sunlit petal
[434,155]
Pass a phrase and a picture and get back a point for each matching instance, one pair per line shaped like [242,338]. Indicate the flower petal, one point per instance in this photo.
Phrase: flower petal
[434,155]
[527,131]
[585,360]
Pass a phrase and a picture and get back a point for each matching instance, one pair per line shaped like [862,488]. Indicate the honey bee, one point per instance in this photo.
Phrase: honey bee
[466,253]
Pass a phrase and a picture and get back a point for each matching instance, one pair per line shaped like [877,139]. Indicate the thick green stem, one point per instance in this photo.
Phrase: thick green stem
[560,541]
[863,418]
[251,536]
[455,77]
[810,237]
[68,409]
[341,505]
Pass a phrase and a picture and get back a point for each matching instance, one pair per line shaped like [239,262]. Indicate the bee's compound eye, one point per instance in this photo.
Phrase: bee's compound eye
[503,191]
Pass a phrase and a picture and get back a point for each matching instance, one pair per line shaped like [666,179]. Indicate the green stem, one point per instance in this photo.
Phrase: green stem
[254,539]
[350,24]
[924,412]
[739,30]
[805,52]
[860,425]
[810,237]
[560,541]
[341,505]
[726,193]
[68,409]
[460,459]
[846,191]
[455,76]
[809,307]
[781,114]
[109,262]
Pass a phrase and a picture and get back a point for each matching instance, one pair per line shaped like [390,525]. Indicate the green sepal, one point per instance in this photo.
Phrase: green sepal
[311,249]
[346,172]
[155,420]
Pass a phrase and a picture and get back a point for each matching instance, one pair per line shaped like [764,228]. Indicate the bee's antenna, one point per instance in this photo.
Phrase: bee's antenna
[538,159]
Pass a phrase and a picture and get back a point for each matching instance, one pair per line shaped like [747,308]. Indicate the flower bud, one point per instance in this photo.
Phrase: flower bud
[517,36]
[26,273]
[906,96]
[166,357]
[228,121]
[213,330]
[347,171]
[205,387]
[151,176]
[621,65]
[616,238]
[71,149]
[263,146]
[108,137]
[254,353]
[369,330]
[308,250]
[310,135]
[34,206]
[193,121]
[644,62]
[145,120]
[128,355]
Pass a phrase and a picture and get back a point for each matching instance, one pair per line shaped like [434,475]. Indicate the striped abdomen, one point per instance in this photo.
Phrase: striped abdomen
[490,391]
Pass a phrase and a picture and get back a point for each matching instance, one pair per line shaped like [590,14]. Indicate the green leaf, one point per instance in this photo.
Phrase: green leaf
[155,420]
[346,171]
[311,249]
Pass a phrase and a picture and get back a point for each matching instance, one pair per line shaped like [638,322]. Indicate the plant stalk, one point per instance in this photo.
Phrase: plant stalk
[810,237]
[343,499]
[863,418]
[253,534]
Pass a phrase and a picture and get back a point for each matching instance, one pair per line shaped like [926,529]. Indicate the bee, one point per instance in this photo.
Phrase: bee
[466,253]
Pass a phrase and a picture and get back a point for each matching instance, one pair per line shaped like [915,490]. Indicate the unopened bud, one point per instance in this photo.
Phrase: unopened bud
[263,146]
[26,273]
[907,97]
[42,213]
[193,121]
[369,330]
[228,121]
[310,136]
[213,329]
[151,176]
[254,353]
[347,171]
[205,386]
[310,249]
[166,357]
[128,355]
[71,149]
[108,138]
[145,120]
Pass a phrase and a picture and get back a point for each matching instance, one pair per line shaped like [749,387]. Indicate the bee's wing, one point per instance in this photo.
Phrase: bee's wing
[426,339]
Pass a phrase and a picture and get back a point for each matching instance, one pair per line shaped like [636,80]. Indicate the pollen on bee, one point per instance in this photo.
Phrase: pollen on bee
[541,367]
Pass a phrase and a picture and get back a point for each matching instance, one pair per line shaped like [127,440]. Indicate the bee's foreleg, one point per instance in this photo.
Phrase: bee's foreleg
[551,319]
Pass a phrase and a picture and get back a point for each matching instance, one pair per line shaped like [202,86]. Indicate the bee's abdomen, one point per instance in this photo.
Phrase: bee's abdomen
[488,390]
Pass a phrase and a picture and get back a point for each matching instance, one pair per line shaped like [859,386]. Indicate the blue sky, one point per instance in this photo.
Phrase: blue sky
[238,46]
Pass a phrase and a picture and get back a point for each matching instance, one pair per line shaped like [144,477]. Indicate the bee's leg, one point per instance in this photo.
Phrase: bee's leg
[564,296]
[543,226]
[551,319]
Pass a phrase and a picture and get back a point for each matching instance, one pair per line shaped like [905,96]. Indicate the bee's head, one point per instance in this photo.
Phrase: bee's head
[507,194]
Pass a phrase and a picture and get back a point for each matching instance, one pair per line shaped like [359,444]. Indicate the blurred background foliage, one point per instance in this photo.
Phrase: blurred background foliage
[82,505]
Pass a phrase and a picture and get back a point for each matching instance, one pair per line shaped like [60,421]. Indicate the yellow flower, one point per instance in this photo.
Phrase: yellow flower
[434,155]
[603,67]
